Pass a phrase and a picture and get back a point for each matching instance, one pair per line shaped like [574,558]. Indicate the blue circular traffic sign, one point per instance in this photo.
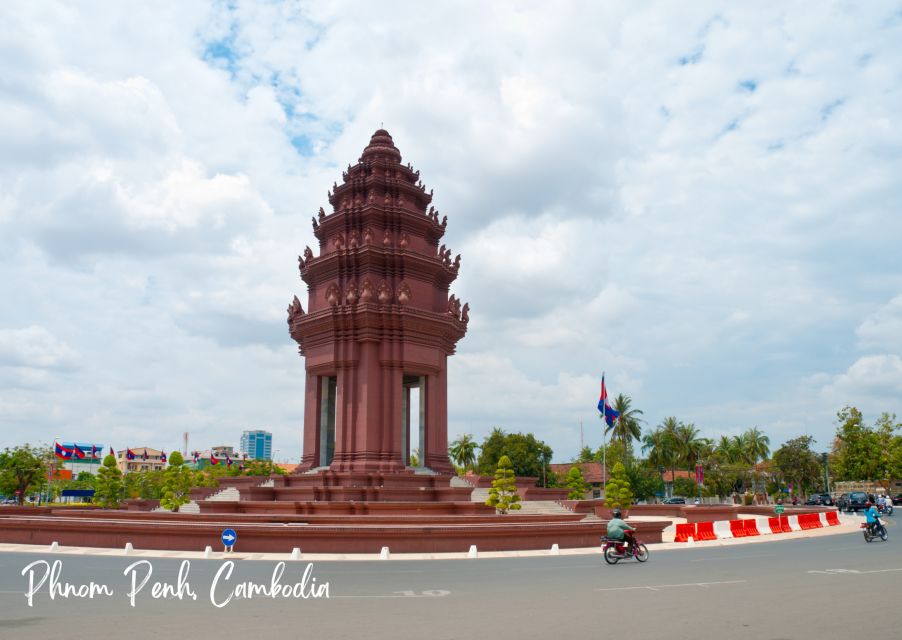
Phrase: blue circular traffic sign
[229,537]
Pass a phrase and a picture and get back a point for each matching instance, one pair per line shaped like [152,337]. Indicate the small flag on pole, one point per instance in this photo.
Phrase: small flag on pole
[604,407]
[162,456]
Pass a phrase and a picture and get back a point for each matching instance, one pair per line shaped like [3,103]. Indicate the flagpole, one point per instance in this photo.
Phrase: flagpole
[604,444]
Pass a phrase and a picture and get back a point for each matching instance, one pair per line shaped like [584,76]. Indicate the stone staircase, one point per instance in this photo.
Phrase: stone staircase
[229,494]
[541,507]
[189,507]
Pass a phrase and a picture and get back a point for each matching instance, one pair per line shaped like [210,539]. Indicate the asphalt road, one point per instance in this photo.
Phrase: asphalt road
[827,587]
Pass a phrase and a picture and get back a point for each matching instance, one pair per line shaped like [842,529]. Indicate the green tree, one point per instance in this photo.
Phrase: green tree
[109,489]
[176,483]
[22,469]
[463,451]
[526,453]
[689,446]
[618,493]
[503,494]
[577,484]
[856,449]
[585,455]
[798,465]
[645,481]
[754,445]
[889,458]
[626,427]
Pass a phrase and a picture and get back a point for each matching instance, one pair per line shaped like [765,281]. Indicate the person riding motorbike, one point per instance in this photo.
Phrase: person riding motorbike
[618,529]
[873,518]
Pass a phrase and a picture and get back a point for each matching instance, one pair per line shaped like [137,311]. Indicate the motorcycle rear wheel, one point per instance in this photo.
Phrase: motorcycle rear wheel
[611,556]
[642,553]
[867,536]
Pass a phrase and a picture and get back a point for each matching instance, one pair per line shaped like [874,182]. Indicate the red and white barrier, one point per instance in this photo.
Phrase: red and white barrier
[726,529]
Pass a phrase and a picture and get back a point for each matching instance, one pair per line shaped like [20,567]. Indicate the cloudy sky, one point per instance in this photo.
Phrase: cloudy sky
[702,200]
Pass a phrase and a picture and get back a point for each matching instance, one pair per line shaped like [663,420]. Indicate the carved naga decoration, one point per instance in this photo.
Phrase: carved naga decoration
[332,295]
[465,313]
[384,293]
[351,293]
[295,309]
[367,294]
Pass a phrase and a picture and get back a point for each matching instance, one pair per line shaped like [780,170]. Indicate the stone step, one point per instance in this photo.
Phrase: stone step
[542,506]
[457,481]
[188,507]
[229,494]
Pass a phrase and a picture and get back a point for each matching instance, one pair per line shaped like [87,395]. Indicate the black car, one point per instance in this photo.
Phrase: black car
[854,501]
[674,500]
[820,499]
[897,499]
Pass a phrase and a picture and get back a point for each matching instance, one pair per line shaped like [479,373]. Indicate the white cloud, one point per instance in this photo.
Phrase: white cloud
[701,204]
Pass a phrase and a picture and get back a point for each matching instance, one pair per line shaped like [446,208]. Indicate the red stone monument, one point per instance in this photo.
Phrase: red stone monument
[379,324]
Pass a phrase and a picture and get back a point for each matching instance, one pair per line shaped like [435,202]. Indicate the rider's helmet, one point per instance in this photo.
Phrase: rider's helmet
[868,504]
[616,513]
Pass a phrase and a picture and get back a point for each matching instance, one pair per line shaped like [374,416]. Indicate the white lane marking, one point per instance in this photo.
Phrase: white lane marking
[429,593]
[855,571]
[655,587]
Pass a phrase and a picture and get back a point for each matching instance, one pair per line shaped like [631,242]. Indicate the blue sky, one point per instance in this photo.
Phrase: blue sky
[701,201]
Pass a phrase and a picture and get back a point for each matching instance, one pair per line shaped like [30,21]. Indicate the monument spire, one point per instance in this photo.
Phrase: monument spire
[380,322]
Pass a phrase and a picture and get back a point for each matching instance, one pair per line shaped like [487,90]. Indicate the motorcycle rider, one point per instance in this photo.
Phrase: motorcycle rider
[872,516]
[618,529]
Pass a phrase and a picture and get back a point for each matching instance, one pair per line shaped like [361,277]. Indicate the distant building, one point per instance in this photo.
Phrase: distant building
[146,459]
[222,453]
[257,445]
[90,460]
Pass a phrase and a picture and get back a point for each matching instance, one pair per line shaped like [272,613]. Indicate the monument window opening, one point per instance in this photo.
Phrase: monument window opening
[413,421]
[328,389]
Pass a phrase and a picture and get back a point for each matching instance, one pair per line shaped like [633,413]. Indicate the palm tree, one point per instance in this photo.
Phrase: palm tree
[626,428]
[463,451]
[755,444]
[670,427]
[689,445]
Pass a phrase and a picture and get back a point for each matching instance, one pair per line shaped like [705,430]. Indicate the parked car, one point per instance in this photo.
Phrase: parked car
[820,499]
[854,501]
[897,499]
[674,500]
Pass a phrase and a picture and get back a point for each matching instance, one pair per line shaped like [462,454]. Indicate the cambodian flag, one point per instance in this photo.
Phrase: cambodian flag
[93,451]
[228,461]
[196,457]
[213,459]
[130,455]
[144,455]
[604,406]
[78,453]
[162,456]
[62,452]
[112,453]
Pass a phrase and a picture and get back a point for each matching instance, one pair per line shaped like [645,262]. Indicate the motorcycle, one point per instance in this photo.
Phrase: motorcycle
[886,509]
[877,530]
[616,550]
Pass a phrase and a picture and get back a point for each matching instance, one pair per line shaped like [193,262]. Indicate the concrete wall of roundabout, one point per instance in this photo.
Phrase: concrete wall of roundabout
[418,532]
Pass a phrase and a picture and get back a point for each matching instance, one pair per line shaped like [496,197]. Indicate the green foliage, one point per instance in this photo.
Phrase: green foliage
[618,492]
[861,452]
[109,489]
[23,469]
[503,494]
[686,487]
[586,455]
[463,451]
[644,481]
[525,452]
[626,428]
[577,484]
[796,464]
[176,483]
[613,452]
